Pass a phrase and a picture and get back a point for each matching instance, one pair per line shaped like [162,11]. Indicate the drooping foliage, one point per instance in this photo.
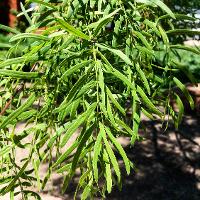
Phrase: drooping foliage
[86,72]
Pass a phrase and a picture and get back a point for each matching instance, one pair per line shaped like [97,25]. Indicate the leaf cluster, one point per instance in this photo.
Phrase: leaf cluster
[87,70]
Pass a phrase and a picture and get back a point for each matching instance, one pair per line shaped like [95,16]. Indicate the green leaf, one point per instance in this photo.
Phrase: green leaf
[136,121]
[12,61]
[26,115]
[183,31]
[164,7]
[185,92]
[110,113]
[18,111]
[116,73]
[181,111]
[117,52]
[5,150]
[97,150]
[152,25]
[103,21]
[144,50]
[86,193]
[185,69]
[18,74]
[4,45]
[72,93]
[164,35]
[29,35]
[11,184]
[80,120]
[178,16]
[75,68]
[81,146]
[158,3]
[149,115]
[143,39]
[25,14]
[66,154]
[110,153]
[72,30]
[108,174]
[32,193]
[148,102]
[101,84]
[120,149]
[115,102]
[125,126]
[65,168]
[8,29]
[143,77]
[186,48]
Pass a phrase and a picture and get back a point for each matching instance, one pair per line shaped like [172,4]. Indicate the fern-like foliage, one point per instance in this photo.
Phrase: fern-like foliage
[87,70]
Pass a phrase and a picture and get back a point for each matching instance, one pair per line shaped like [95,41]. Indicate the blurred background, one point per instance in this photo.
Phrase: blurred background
[168,162]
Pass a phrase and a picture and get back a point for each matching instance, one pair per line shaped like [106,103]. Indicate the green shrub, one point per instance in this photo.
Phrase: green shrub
[92,64]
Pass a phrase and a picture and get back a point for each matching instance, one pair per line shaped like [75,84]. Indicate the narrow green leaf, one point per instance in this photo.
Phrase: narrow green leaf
[86,193]
[72,93]
[148,102]
[144,50]
[164,35]
[124,126]
[18,111]
[180,112]
[149,115]
[101,84]
[143,39]
[110,153]
[115,102]
[8,29]
[178,17]
[5,150]
[11,184]
[12,61]
[183,31]
[120,149]
[136,121]
[75,68]
[25,14]
[185,92]
[110,113]
[82,118]
[65,168]
[117,52]
[152,25]
[83,178]
[108,174]
[66,154]
[29,35]
[97,150]
[103,21]
[186,48]
[185,69]
[19,74]
[81,146]
[4,45]
[26,115]
[164,7]
[143,77]
[72,30]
